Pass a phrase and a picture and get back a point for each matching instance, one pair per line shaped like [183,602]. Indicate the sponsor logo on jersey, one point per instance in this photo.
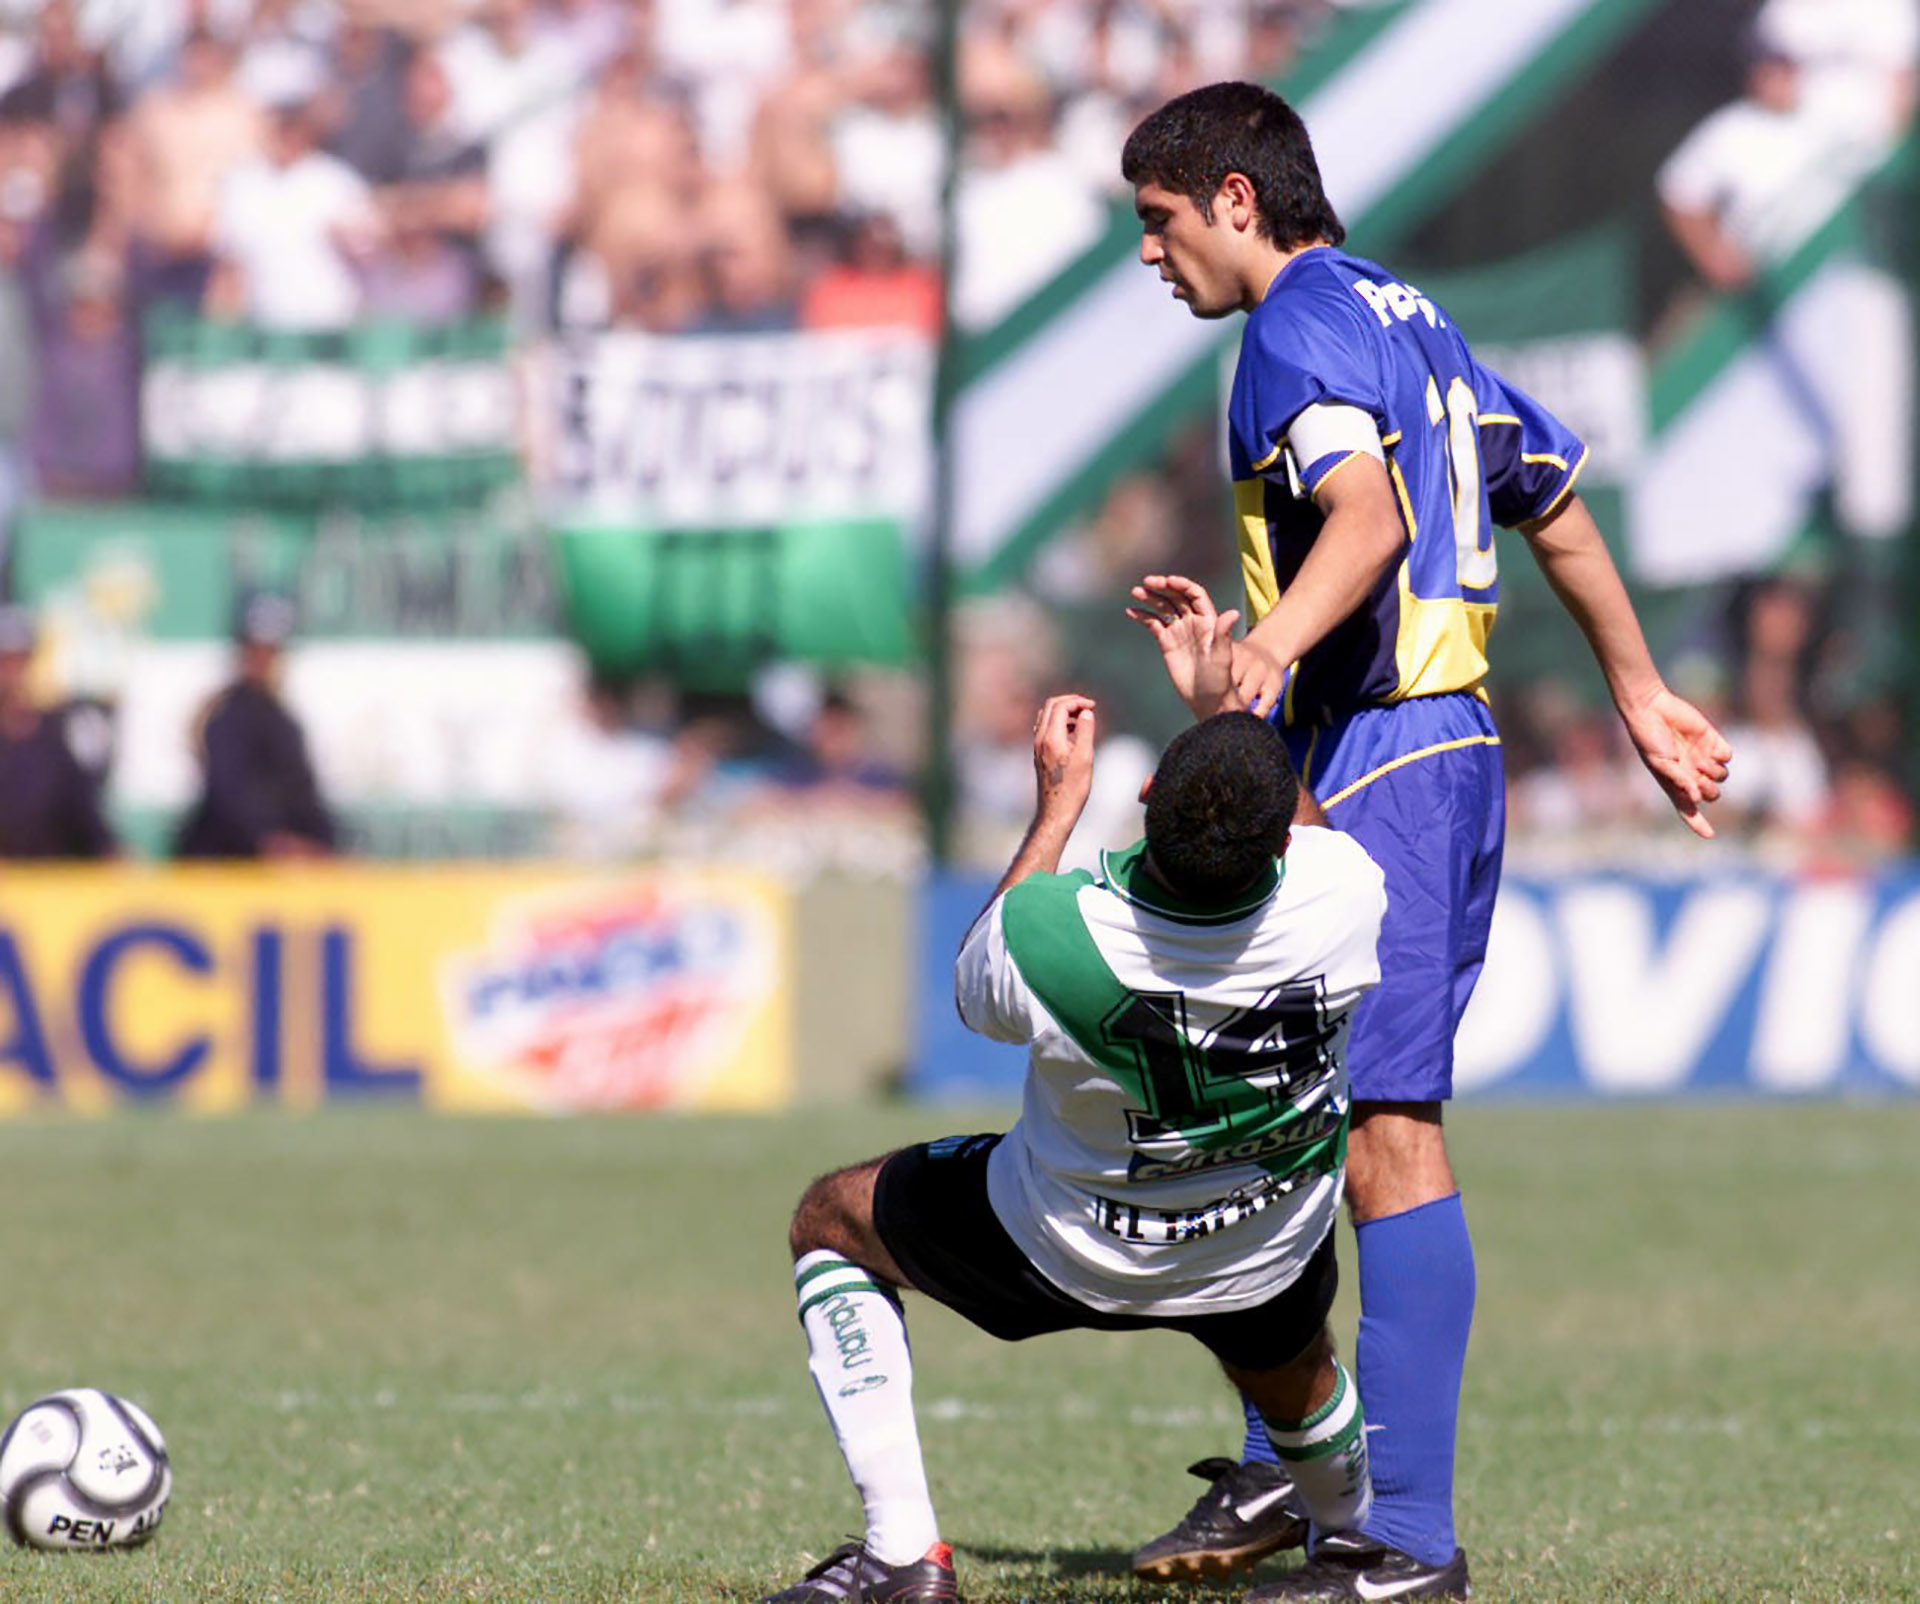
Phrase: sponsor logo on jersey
[1393,301]
[1296,1138]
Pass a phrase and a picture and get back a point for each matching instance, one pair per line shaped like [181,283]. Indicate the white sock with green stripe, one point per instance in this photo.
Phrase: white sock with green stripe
[1326,1454]
[857,1351]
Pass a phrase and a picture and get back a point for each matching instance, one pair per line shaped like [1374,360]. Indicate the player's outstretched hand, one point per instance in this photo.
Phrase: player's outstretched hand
[1683,751]
[1196,643]
[1063,758]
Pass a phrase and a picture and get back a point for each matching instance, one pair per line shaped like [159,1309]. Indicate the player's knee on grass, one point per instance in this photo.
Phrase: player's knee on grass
[835,1215]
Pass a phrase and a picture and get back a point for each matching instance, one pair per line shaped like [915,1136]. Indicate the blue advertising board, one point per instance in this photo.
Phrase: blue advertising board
[1609,984]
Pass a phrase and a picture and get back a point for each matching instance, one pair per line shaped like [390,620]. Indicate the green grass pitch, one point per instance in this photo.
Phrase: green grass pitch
[405,1358]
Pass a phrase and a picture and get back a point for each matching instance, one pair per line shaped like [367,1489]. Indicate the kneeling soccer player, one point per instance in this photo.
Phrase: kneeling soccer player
[1178,1160]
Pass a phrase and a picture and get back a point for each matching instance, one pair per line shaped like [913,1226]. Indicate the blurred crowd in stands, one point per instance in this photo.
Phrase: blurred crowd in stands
[668,165]
[714,166]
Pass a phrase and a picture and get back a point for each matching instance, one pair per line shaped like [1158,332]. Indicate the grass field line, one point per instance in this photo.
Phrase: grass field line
[949,1409]
[294,1401]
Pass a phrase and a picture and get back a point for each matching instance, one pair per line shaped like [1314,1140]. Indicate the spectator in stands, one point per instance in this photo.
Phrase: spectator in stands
[1753,180]
[637,173]
[69,87]
[442,170]
[633,132]
[187,136]
[1868,815]
[837,764]
[365,111]
[49,806]
[1856,60]
[503,68]
[1585,783]
[749,260]
[421,276]
[84,437]
[873,283]
[293,228]
[1782,787]
[286,45]
[429,271]
[1004,648]
[1022,211]
[611,777]
[593,32]
[259,797]
[1273,39]
[888,150]
[531,177]
[727,54]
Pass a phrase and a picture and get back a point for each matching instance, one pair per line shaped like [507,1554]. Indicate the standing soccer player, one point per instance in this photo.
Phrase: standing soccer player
[1372,457]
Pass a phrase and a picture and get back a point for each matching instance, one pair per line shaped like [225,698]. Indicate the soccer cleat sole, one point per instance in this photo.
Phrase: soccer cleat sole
[1213,1564]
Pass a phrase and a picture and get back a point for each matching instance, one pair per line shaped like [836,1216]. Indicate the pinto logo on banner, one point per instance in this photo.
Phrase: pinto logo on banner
[634,996]
[460,988]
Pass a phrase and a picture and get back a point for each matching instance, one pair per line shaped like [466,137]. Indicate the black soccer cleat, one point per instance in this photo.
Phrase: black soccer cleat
[1249,1512]
[1345,1565]
[850,1575]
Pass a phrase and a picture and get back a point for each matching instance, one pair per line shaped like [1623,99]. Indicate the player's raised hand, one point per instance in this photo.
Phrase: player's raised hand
[1195,641]
[1063,758]
[1683,751]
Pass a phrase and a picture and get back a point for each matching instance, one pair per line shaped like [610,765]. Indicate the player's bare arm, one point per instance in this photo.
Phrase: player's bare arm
[1361,540]
[1677,742]
[1063,736]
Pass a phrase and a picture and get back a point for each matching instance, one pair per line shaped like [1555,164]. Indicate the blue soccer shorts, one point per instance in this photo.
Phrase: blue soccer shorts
[1420,785]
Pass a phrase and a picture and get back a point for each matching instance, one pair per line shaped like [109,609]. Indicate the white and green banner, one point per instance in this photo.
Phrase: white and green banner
[380,416]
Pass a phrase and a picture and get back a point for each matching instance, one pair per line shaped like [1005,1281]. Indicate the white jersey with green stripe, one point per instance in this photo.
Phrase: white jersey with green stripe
[1181,1144]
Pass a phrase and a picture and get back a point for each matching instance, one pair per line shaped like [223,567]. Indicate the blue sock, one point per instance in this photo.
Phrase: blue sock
[1416,1308]
[1256,1450]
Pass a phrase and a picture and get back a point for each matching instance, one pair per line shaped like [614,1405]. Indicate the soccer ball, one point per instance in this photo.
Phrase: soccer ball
[83,1469]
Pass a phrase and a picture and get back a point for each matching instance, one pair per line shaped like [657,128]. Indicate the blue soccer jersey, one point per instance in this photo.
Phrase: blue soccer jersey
[1465,452]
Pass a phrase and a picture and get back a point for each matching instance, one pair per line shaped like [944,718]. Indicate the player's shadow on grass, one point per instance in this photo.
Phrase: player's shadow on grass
[1086,1568]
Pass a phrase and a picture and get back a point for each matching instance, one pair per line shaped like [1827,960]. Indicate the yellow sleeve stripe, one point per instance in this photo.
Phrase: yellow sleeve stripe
[1391,440]
[1315,487]
[1401,762]
[1544,456]
[1498,417]
[1553,506]
[1271,457]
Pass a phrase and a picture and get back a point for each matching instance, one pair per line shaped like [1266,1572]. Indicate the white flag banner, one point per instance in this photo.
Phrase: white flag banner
[720,431]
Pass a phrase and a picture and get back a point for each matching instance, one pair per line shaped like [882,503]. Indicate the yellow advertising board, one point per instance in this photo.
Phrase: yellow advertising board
[459,988]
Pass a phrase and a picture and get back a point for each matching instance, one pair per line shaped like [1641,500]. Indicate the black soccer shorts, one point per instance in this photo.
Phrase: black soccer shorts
[931,1210]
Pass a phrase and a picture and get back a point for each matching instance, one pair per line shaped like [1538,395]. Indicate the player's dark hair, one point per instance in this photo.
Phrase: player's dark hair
[1192,142]
[1220,805]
